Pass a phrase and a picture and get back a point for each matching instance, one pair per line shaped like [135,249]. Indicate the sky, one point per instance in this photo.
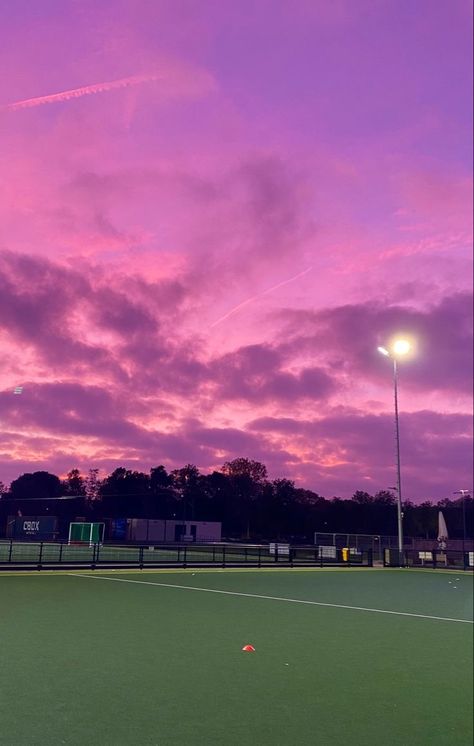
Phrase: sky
[212,213]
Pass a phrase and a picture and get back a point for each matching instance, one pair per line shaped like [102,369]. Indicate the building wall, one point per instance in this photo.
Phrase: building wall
[143,529]
[201,531]
[32,528]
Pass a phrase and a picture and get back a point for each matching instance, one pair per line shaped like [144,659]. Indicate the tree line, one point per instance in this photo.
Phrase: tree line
[239,495]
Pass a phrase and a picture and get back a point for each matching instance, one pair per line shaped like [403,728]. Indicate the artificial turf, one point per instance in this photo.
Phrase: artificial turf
[89,660]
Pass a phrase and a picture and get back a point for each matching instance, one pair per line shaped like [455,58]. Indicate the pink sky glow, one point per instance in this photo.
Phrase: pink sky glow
[222,210]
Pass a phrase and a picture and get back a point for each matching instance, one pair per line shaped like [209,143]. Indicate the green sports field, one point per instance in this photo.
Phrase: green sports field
[342,657]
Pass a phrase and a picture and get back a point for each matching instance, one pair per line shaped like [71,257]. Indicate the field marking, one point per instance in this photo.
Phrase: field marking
[163,570]
[272,598]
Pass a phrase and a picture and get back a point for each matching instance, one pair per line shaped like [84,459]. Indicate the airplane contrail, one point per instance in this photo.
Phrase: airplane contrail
[259,295]
[78,92]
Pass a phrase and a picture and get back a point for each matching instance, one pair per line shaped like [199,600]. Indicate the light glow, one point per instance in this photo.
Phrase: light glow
[401,347]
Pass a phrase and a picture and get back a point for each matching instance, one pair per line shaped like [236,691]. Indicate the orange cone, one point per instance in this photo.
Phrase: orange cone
[248,649]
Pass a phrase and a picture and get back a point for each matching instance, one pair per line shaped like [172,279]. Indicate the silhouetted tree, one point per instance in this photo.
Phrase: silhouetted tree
[162,499]
[218,503]
[74,484]
[363,498]
[122,491]
[186,485]
[39,484]
[384,497]
[247,478]
[92,485]
[240,496]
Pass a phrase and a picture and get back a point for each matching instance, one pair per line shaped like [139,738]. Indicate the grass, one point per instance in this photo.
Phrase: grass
[92,660]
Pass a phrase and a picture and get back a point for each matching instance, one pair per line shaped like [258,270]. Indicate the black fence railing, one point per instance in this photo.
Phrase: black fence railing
[49,556]
[435,558]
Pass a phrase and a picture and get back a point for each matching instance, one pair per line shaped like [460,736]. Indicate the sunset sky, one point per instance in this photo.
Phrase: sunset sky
[212,212]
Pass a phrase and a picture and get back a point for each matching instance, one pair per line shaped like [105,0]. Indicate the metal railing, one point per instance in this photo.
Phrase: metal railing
[378,543]
[434,558]
[50,556]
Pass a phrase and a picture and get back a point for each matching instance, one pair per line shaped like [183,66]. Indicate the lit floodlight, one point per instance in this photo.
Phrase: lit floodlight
[401,347]
[397,348]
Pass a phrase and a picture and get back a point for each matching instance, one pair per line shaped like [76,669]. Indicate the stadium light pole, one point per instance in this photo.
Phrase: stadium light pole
[398,349]
[463,493]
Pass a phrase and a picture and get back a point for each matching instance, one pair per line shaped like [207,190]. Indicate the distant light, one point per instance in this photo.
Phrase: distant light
[18,390]
[383,351]
[401,347]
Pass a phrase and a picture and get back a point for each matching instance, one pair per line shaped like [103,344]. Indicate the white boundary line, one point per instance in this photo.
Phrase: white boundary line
[271,598]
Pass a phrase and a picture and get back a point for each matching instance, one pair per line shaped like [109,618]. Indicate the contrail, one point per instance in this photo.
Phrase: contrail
[78,92]
[259,295]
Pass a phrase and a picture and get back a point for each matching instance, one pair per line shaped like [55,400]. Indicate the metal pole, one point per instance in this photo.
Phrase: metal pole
[463,526]
[463,494]
[399,480]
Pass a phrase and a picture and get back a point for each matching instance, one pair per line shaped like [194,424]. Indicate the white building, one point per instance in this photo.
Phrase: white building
[143,529]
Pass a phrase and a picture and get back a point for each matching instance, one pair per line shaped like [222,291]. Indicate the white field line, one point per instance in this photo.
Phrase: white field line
[271,598]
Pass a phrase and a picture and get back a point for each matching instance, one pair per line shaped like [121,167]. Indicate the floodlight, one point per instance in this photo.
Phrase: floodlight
[401,347]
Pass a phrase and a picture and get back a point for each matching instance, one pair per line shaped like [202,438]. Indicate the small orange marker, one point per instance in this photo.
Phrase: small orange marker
[248,649]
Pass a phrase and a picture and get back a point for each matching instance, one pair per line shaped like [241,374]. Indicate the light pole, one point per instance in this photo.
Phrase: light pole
[463,493]
[398,349]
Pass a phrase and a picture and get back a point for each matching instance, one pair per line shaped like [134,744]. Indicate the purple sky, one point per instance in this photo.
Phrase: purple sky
[211,213]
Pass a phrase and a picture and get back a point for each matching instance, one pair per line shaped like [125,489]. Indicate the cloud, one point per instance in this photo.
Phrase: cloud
[256,373]
[345,448]
[347,337]
[110,372]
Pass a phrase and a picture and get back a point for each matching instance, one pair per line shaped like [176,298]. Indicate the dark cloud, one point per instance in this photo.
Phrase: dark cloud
[62,314]
[346,337]
[254,373]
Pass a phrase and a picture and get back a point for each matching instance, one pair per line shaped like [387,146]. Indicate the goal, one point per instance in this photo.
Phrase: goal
[86,533]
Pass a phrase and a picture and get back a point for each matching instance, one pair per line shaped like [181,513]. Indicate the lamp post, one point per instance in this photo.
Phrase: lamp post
[399,348]
[463,493]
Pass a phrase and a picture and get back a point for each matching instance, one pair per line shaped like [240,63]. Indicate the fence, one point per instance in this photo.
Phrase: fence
[48,556]
[449,559]
[378,543]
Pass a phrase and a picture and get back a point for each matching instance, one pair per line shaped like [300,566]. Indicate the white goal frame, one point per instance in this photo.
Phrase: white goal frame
[89,540]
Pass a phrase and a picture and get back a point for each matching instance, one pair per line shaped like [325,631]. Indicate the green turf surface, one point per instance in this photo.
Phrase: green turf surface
[89,660]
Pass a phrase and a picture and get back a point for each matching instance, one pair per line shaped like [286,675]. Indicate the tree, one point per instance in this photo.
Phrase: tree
[159,479]
[216,500]
[247,478]
[39,484]
[363,498]
[186,483]
[74,484]
[161,500]
[245,468]
[421,520]
[92,485]
[385,497]
[277,505]
[123,491]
